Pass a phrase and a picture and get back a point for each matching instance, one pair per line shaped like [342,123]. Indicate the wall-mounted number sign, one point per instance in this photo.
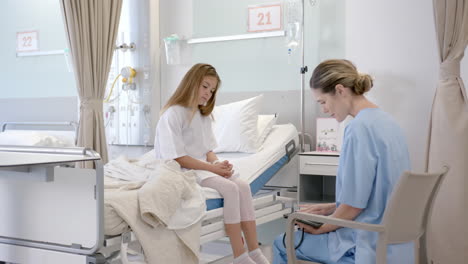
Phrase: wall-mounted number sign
[264,18]
[27,41]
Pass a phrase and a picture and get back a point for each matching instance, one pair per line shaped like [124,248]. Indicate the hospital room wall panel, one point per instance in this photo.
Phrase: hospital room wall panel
[397,46]
[34,76]
[252,67]
[175,18]
[263,64]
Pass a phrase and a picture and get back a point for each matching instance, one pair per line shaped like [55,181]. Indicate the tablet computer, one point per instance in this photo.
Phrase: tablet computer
[313,224]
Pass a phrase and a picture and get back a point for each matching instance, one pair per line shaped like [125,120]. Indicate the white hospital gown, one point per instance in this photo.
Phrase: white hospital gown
[178,135]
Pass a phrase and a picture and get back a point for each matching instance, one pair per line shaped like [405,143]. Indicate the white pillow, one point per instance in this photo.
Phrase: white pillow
[53,141]
[235,125]
[264,126]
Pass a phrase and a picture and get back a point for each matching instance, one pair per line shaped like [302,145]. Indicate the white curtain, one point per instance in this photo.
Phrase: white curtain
[91,28]
[446,238]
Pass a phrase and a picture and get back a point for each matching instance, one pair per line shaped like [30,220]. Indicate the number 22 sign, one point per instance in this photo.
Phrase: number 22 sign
[27,41]
[264,18]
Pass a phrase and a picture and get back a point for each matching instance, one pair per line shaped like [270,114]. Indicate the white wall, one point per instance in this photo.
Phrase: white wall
[324,31]
[395,42]
[175,17]
[392,40]
[34,76]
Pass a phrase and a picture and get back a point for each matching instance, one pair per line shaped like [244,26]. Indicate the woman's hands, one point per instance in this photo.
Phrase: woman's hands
[318,209]
[223,168]
[343,211]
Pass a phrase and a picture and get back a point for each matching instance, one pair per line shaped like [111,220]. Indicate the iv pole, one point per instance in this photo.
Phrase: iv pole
[303,72]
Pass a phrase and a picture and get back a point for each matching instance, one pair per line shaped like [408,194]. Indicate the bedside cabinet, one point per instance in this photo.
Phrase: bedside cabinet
[317,177]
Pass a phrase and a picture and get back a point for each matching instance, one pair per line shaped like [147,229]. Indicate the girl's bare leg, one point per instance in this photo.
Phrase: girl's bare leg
[250,232]
[233,231]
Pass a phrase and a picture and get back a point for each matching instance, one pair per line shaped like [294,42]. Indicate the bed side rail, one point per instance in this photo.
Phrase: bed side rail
[291,149]
[41,125]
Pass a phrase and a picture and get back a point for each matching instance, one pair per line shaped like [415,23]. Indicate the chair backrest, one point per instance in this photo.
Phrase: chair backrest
[406,215]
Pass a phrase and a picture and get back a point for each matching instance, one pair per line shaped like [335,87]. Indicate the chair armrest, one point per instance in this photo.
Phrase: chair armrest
[291,252]
[336,221]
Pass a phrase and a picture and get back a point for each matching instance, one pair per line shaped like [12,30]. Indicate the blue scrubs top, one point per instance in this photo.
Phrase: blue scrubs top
[373,156]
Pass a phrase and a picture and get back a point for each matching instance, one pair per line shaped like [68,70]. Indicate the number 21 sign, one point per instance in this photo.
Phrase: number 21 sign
[27,41]
[264,18]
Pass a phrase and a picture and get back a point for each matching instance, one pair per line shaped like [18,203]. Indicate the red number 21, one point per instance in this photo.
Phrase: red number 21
[261,16]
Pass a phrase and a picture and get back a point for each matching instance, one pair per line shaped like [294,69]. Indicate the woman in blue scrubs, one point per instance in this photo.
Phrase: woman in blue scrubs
[373,156]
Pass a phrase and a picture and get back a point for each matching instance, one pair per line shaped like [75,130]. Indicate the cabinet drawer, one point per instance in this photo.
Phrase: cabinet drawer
[318,165]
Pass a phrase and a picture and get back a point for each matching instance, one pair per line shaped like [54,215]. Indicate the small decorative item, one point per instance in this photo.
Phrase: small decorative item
[327,135]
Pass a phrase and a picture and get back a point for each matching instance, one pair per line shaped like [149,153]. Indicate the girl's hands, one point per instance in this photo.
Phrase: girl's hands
[223,169]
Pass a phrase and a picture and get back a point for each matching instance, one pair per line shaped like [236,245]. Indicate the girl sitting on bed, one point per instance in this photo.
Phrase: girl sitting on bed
[184,133]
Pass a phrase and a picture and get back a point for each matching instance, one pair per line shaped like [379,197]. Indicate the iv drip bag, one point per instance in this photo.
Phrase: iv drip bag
[293,24]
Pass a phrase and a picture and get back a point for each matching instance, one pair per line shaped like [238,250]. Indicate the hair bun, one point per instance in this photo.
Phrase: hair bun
[363,84]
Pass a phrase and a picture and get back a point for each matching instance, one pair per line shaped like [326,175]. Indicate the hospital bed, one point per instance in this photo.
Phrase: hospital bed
[256,169]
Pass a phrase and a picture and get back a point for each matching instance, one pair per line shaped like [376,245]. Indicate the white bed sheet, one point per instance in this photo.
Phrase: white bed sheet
[251,165]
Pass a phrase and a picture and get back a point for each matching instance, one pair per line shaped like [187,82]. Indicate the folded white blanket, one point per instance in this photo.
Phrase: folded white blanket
[171,199]
[140,169]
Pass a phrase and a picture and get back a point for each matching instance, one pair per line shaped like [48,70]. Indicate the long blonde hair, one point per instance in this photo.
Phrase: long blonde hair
[187,93]
[329,73]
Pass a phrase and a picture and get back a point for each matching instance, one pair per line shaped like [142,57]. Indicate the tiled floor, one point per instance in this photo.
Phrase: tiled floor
[227,259]
[219,252]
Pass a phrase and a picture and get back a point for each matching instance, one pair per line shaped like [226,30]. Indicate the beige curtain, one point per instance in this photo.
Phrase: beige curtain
[448,138]
[91,27]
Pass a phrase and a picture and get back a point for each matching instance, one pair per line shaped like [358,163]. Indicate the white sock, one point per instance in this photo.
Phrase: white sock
[243,259]
[257,256]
